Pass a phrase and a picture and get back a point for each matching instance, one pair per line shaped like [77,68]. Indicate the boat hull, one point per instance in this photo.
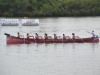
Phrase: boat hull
[16,40]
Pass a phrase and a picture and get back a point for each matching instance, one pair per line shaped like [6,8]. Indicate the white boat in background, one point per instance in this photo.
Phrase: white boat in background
[30,22]
[9,22]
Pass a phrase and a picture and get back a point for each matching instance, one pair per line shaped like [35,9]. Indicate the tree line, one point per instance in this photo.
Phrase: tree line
[38,8]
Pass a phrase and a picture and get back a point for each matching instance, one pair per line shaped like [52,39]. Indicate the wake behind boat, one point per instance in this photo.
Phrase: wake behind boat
[16,40]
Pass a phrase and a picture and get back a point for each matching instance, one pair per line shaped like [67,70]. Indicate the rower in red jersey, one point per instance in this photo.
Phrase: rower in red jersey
[55,37]
[28,36]
[45,36]
[73,36]
[18,35]
[64,37]
[36,36]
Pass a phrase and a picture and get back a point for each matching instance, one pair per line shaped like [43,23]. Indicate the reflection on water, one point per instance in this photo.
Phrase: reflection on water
[52,59]
[93,46]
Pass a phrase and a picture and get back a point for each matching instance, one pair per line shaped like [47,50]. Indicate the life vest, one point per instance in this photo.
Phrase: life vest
[36,37]
[73,37]
[64,37]
[55,37]
[46,37]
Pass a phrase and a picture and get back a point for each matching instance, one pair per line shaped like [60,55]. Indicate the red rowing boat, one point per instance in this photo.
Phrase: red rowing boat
[16,40]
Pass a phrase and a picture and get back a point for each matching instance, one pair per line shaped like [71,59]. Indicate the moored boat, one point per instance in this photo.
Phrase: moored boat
[16,40]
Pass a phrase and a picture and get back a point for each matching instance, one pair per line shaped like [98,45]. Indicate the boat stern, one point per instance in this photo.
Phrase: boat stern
[99,39]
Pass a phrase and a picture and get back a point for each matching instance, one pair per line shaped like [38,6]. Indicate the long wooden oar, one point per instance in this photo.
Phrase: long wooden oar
[81,39]
[88,32]
[71,39]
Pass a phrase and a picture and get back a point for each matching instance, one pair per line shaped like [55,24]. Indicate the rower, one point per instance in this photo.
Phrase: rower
[93,34]
[45,36]
[28,36]
[18,35]
[55,37]
[36,36]
[73,36]
[64,37]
